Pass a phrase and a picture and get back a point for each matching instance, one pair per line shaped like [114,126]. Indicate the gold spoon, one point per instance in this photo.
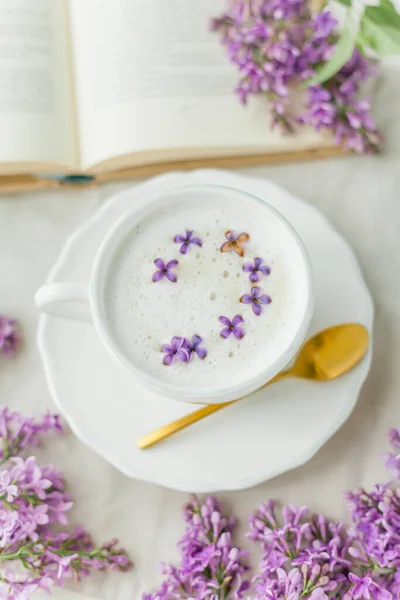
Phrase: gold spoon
[327,355]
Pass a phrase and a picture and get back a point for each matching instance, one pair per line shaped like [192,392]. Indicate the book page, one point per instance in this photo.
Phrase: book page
[35,94]
[151,76]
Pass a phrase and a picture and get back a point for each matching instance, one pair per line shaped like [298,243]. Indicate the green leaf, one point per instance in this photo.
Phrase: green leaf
[383,16]
[343,51]
[388,5]
[384,40]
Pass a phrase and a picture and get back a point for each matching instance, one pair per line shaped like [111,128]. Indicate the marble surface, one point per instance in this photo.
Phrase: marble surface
[360,195]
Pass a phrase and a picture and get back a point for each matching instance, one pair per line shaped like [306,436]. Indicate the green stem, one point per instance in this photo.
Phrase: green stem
[22,552]
[26,551]
[6,451]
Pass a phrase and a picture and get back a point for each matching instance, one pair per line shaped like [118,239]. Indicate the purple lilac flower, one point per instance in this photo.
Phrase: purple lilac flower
[255,268]
[336,107]
[392,462]
[165,270]
[392,459]
[394,437]
[9,338]
[211,566]
[324,24]
[7,489]
[304,555]
[232,327]
[361,588]
[256,300]
[32,500]
[186,240]
[193,346]
[175,350]
[375,541]
[276,45]
[18,432]
[234,242]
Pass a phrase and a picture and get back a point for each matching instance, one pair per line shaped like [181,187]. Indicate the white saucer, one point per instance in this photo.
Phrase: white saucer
[272,431]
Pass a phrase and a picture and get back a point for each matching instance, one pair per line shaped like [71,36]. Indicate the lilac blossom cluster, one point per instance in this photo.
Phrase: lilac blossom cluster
[307,556]
[278,46]
[211,566]
[304,556]
[35,551]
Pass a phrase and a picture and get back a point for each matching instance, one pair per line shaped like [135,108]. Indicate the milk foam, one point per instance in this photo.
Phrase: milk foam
[144,315]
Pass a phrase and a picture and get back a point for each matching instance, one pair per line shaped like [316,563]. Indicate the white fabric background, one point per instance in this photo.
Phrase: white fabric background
[361,196]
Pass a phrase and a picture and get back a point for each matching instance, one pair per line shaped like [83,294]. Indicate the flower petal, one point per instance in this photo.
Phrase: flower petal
[159,263]
[189,234]
[177,342]
[248,267]
[230,235]
[168,359]
[179,238]
[225,332]
[246,299]
[227,247]
[201,353]
[237,319]
[254,277]
[183,355]
[196,340]
[196,241]
[242,238]
[257,309]
[225,321]
[171,264]
[255,291]
[257,262]
[187,344]
[184,248]
[238,249]
[166,348]
[265,299]
[238,332]
[171,276]
[157,276]
[265,270]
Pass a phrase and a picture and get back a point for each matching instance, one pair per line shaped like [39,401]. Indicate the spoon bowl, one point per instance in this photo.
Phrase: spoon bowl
[327,355]
[330,353]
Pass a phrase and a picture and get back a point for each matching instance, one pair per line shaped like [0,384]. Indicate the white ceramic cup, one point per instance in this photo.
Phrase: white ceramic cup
[77,302]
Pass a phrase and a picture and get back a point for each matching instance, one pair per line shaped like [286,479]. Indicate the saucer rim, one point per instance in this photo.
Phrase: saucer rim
[297,459]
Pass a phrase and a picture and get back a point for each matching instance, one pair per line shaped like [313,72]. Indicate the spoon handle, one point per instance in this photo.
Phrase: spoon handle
[151,438]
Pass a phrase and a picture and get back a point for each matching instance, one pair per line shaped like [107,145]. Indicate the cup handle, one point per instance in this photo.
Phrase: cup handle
[65,300]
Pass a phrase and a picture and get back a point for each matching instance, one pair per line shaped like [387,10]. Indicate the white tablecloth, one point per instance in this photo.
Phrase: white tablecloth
[361,196]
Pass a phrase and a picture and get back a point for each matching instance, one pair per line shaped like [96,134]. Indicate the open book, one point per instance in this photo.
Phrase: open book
[114,88]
